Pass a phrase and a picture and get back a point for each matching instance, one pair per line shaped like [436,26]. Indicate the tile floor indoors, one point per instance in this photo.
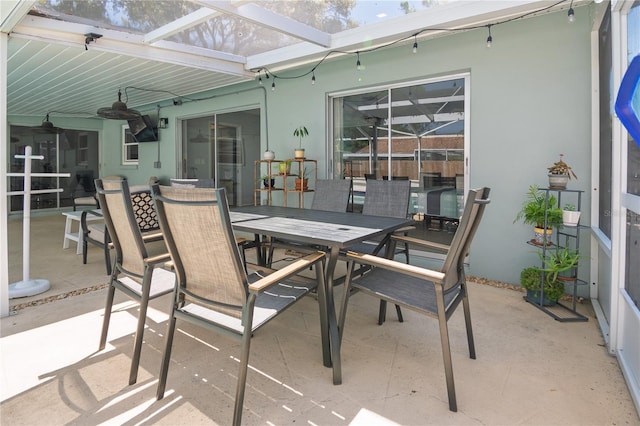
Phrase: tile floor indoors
[530,369]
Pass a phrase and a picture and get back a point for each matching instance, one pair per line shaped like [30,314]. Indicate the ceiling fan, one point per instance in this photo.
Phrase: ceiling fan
[118,111]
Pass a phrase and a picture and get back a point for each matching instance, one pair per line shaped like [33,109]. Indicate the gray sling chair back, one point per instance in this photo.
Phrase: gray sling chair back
[212,289]
[136,270]
[329,195]
[434,293]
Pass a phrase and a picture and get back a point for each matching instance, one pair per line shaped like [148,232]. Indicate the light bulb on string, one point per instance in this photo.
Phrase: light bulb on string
[273,85]
[571,14]
[489,39]
[259,80]
[358,65]
[415,44]
[313,77]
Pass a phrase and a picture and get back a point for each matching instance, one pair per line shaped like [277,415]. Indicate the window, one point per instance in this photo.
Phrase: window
[129,147]
[409,130]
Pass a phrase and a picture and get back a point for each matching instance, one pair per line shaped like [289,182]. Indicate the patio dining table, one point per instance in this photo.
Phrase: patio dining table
[329,230]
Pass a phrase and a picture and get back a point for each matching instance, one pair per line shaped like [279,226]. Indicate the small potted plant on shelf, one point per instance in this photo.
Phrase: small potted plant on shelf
[560,174]
[533,212]
[300,132]
[533,279]
[570,216]
[302,180]
[268,181]
[560,264]
[285,167]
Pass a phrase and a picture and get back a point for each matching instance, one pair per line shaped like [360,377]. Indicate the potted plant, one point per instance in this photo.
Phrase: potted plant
[302,180]
[269,155]
[533,212]
[268,181]
[533,279]
[285,167]
[570,216]
[300,132]
[560,174]
[560,264]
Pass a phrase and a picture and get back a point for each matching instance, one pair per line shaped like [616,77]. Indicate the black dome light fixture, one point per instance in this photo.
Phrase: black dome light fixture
[47,127]
[118,111]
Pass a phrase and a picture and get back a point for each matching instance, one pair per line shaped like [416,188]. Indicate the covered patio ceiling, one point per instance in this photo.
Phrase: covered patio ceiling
[71,58]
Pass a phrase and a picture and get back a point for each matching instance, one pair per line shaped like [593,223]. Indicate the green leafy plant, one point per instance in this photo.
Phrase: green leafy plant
[530,279]
[305,173]
[569,207]
[536,206]
[557,261]
[300,132]
[561,168]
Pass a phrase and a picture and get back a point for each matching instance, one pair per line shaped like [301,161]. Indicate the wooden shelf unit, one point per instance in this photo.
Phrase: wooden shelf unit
[283,182]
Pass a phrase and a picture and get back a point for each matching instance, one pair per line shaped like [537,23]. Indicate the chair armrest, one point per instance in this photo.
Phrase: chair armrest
[83,219]
[420,242]
[281,274]
[414,271]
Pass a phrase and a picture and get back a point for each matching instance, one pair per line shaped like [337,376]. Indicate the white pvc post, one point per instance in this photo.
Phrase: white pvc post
[28,286]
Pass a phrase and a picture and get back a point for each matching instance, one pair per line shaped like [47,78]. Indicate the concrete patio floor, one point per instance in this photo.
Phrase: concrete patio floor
[530,369]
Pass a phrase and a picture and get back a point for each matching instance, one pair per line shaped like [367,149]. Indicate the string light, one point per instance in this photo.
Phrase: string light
[359,66]
[571,13]
[273,85]
[259,80]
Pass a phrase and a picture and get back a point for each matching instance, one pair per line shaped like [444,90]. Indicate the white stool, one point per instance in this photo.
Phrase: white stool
[76,236]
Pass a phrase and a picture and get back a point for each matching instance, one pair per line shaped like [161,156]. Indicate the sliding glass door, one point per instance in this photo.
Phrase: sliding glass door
[414,131]
[72,151]
[223,147]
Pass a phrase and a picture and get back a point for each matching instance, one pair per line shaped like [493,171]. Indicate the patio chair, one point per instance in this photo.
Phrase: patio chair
[391,199]
[330,195]
[385,198]
[137,270]
[434,293]
[243,243]
[144,211]
[97,234]
[212,289]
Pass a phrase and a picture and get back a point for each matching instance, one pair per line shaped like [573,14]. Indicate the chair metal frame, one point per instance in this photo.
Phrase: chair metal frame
[136,270]
[226,302]
[434,293]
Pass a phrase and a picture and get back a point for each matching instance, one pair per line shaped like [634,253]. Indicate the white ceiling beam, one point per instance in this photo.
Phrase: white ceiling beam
[266,18]
[67,33]
[183,23]
[12,12]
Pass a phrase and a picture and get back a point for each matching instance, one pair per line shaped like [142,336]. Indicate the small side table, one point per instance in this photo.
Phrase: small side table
[76,236]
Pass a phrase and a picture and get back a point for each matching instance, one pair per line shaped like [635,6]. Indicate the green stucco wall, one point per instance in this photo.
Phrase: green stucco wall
[530,101]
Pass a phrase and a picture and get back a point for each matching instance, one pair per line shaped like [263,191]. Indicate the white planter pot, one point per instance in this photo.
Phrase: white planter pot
[299,153]
[269,155]
[570,218]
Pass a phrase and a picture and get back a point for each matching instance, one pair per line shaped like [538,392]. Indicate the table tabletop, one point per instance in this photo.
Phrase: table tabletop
[313,226]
